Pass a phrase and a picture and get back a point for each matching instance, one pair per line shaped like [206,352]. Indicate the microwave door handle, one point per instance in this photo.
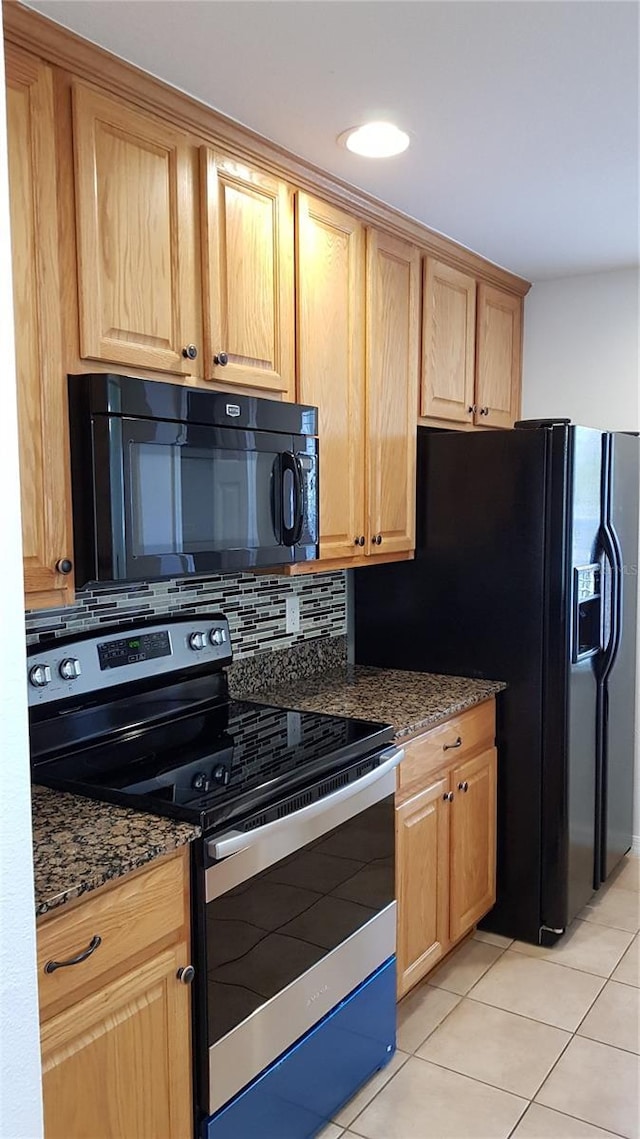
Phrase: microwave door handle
[234,841]
[299,490]
[291,534]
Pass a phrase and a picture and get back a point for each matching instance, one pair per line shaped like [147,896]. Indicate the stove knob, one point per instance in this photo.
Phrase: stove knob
[217,636]
[40,675]
[197,641]
[220,774]
[70,669]
[200,782]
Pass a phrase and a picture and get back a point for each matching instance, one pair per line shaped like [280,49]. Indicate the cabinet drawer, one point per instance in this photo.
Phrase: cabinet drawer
[129,917]
[440,748]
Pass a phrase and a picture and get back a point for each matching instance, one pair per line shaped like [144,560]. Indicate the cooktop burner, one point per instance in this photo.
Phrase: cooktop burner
[213,765]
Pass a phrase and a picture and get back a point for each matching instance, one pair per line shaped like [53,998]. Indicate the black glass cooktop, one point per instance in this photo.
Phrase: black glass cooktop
[208,765]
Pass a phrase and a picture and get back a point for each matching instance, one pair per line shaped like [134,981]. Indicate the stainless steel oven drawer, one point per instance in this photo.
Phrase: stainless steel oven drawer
[259,1039]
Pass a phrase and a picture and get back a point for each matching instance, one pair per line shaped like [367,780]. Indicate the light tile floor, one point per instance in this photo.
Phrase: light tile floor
[511,1040]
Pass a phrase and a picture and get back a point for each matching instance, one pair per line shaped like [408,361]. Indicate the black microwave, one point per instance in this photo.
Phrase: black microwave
[169,481]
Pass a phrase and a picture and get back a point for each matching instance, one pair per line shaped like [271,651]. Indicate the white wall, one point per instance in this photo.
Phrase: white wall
[581,350]
[581,360]
[20,1098]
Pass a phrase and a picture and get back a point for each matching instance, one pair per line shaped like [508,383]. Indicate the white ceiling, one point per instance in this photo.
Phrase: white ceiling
[523,114]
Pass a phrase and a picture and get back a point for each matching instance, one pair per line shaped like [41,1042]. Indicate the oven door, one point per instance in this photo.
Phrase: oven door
[186,499]
[298,913]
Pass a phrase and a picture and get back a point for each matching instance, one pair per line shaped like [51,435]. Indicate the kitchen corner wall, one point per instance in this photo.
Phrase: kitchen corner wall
[254,604]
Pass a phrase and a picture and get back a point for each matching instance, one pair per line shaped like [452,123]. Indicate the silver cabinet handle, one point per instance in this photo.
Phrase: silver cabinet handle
[448,747]
[234,841]
[448,796]
[463,786]
[51,966]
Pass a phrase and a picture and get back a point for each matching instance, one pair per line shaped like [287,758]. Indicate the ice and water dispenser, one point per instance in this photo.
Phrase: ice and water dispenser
[587,612]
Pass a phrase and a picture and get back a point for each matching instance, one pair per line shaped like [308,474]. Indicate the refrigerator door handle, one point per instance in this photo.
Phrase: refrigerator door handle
[611,549]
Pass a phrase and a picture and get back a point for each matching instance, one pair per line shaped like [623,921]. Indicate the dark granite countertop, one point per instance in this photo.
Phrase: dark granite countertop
[410,701]
[79,844]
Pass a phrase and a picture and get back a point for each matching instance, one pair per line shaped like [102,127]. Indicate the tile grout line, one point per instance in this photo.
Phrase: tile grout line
[503,950]
[572,1038]
[376,1094]
[485,1083]
[522,1015]
[467,996]
[614,1134]
[576,968]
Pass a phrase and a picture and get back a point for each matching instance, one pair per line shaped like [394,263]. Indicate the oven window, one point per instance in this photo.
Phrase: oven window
[187,499]
[268,931]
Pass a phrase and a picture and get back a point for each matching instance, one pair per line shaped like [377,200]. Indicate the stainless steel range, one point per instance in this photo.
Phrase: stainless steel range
[293,878]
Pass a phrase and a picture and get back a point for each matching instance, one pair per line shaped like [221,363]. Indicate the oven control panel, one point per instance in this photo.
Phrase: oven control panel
[99,660]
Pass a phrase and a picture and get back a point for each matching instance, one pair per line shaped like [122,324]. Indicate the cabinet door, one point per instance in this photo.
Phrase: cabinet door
[118,1064]
[473,842]
[331,331]
[422,882]
[138,282]
[41,381]
[448,343]
[499,357]
[247,230]
[393,336]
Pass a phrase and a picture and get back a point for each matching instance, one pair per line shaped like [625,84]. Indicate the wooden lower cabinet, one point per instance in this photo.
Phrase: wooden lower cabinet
[445,846]
[116,1050]
[422,853]
[473,842]
[112,1065]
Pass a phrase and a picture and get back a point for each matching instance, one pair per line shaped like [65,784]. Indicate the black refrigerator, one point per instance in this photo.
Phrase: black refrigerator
[526,571]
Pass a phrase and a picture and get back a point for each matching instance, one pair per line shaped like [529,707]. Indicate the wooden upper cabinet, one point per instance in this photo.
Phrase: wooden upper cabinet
[422,882]
[393,338]
[499,351]
[473,841]
[41,381]
[448,343]
[247,236]
[331,329]
[136,213]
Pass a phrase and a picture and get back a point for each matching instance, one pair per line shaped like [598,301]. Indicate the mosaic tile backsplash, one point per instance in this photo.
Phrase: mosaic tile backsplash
[254,605]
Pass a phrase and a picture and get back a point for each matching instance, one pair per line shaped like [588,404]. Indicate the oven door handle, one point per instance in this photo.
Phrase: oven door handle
[234,841]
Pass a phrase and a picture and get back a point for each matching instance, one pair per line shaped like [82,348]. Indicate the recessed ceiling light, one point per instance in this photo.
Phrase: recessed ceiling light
[375,140]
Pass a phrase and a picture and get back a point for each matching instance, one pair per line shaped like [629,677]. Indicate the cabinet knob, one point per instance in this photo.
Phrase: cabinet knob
[464,786]
[186,974]
[377,539]
[448,796]
[65,565]
[472,410]
[484,411]
[190,352]
[221,359]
